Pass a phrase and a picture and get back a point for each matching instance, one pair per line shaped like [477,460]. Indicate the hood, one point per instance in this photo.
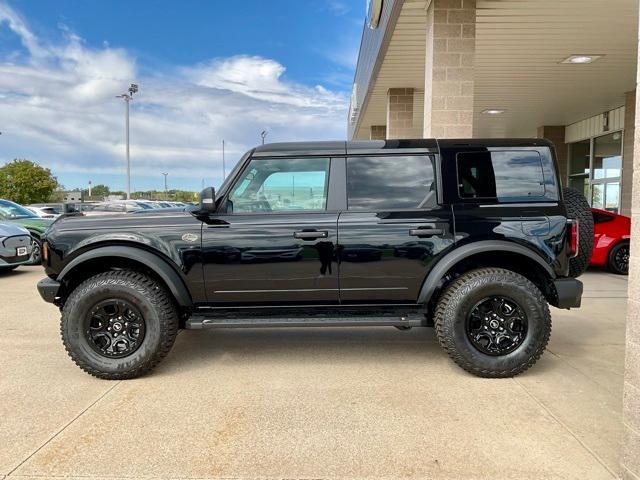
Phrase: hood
[37,224]
[117,220]
[11,230]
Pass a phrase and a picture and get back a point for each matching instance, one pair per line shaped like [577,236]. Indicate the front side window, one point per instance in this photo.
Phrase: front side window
[503,175]
[281,185]
[390,183]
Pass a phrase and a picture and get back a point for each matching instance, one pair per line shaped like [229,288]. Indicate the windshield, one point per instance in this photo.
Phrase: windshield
[12,211]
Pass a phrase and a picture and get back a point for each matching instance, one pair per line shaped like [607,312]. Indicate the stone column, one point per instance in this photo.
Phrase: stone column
[400,114]
[630,459]
[450,54]
[627,152]
[378,132]
[555,133]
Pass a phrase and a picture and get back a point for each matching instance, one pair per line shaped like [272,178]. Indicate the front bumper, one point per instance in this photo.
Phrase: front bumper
[568,293]
[48,289]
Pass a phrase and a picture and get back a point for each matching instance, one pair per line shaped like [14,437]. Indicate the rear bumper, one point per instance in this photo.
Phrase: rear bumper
[48,289]
[569,292]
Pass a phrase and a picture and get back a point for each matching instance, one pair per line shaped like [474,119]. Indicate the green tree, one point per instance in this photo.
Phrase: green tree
[99,190]
[24,181]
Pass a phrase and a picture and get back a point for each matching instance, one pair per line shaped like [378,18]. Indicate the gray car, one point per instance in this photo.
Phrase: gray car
[16,246]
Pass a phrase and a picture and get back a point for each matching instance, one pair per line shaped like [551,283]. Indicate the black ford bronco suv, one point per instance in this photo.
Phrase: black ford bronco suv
[474,237]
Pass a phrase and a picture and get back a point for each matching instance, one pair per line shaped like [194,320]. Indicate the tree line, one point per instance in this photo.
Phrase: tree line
[26,182]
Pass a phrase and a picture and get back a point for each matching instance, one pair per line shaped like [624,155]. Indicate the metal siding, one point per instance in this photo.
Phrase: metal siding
[593,126]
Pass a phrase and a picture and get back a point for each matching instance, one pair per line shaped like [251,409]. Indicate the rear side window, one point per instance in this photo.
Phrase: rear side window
[504,175]
[601,218]
[389,183]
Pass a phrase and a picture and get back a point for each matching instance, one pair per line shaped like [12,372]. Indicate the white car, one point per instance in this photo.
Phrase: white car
[44,212]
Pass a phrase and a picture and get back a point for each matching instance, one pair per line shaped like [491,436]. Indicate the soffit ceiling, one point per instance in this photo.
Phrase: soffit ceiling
[519,44]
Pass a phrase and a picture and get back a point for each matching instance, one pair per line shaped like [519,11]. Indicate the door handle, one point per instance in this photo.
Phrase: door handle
[310,234]
[425,232]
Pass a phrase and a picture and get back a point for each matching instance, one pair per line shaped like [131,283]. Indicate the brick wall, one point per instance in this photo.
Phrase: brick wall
[378,132]
[449,72]
[400,114]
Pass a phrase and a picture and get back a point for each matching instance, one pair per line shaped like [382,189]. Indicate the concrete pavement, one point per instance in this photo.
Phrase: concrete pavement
[312,403]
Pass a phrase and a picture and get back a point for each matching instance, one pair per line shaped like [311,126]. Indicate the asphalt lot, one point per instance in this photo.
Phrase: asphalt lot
[312,403]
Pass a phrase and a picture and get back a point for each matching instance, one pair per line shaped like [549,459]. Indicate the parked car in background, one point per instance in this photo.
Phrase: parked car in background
[14,213]
[44,212]
[612,233]
[16,246]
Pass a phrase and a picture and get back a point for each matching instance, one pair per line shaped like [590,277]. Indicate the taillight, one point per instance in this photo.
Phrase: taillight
[574,244]
[45,251]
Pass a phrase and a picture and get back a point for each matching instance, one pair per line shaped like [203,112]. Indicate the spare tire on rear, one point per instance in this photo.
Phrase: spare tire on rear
[578,208]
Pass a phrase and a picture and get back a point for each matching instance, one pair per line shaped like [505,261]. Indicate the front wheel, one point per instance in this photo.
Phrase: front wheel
[493,322]
[118,324]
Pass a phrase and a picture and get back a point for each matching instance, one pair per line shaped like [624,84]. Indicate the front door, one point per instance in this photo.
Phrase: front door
[392,230]
[274,243]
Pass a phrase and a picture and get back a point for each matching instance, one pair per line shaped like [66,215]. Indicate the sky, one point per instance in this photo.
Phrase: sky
[208,71]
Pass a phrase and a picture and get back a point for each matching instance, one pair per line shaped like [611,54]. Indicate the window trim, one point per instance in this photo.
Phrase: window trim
[224,202]
[505,200]
[436,179]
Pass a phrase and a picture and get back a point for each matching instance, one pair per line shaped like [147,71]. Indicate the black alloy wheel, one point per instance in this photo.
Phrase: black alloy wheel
[619,259]
[114,328]
[496,325]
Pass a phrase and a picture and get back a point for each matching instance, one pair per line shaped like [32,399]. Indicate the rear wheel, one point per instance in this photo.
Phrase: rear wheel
[618,261]
[493,322]
[578,208]
[118,324]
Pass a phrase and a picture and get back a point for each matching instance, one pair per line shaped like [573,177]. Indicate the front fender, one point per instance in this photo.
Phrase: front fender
[154,262]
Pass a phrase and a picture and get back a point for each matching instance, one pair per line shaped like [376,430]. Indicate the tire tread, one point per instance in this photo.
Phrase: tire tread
[444,331]
[143,284]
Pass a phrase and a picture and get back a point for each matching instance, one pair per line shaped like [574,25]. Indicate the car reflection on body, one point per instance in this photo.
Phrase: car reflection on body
[361,253]
[413,250]
[271,254]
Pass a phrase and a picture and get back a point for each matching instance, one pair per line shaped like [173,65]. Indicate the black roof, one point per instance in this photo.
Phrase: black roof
[375,146]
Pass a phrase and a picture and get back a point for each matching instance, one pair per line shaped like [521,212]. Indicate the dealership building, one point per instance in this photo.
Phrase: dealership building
[564,70]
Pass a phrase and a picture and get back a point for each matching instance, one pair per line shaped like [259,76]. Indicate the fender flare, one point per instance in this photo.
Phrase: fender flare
[452,258]
[154,262]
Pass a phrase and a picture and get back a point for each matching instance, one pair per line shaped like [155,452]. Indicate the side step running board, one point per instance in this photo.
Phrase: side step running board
[200,321]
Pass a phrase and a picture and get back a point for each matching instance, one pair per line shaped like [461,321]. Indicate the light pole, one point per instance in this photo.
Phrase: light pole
[263,134]
[224,167]
[166,195]
[127,97]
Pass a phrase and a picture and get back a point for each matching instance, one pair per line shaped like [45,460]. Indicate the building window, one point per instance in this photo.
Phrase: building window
[595,169]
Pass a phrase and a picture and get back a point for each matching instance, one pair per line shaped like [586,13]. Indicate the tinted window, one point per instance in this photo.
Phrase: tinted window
[385,183]
[510,175]
[601,217]
[281,185]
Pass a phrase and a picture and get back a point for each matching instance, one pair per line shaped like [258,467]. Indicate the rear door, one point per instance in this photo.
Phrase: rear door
[393,228]
[505,192]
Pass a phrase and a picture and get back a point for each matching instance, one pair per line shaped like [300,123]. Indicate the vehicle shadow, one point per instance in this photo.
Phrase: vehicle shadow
[302,345]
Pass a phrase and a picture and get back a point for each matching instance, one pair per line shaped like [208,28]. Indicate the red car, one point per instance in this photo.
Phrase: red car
[611,241]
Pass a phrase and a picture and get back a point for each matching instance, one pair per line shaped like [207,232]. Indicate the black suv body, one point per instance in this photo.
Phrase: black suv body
[331,233]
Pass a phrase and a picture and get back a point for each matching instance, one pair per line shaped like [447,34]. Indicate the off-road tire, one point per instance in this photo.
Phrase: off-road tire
[578,208]
[153,301]
[466,291]
[612,264]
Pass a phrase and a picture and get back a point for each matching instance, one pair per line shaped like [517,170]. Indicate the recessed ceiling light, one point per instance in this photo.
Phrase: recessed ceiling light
[493,111]
[581,59]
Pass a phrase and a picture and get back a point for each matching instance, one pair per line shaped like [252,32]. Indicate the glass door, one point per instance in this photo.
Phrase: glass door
[607,165]
[595,167]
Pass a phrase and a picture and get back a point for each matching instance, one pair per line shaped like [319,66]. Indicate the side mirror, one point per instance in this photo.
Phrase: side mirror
[208,200]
